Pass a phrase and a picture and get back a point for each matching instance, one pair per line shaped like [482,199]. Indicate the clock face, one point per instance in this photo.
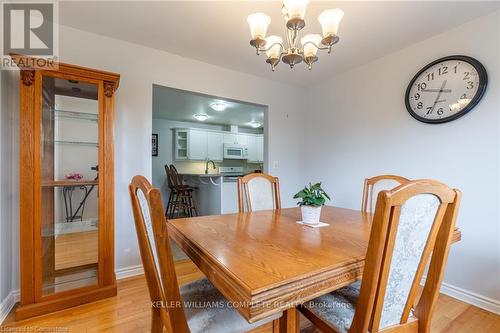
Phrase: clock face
[446,89]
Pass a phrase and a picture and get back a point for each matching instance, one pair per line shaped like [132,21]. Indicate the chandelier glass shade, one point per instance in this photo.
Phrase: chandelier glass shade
[294,12]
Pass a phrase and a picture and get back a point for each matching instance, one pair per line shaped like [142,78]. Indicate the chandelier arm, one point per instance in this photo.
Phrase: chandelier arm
[267,49]
[329,48]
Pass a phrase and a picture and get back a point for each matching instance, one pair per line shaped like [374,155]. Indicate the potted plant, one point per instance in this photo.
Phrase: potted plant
[312,198]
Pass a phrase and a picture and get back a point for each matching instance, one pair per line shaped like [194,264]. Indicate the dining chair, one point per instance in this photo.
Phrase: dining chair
[376,184]
[258,191]
[413,224]
[182,198]
[170,190]
[167,299]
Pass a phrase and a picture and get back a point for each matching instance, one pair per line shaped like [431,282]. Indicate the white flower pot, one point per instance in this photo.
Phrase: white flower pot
[310,214]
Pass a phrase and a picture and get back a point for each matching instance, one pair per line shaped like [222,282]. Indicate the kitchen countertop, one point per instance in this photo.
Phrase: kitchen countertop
[201,174]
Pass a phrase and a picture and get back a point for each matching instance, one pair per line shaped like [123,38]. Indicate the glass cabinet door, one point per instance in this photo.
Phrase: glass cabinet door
[69,177]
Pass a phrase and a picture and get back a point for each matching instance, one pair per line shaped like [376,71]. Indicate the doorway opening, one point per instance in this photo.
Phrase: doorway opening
[210,141]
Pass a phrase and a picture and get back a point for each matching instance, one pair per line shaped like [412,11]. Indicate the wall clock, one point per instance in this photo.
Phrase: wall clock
[446,89]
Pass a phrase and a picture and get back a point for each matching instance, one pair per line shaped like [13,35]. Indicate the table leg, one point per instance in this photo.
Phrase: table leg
[289,322]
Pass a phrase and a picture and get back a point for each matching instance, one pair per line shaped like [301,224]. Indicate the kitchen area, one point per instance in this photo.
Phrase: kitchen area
[211,142]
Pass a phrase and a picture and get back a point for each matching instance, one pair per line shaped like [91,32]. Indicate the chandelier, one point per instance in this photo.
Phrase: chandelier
[294,12]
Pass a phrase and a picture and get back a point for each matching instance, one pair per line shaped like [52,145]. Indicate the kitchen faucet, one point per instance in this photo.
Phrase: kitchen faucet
[206,166]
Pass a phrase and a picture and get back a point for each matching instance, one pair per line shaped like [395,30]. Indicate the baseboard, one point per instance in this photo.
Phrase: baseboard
[129,271]
[7,304]
[470,297]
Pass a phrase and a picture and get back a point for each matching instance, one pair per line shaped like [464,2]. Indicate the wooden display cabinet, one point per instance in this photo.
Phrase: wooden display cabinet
[66,186]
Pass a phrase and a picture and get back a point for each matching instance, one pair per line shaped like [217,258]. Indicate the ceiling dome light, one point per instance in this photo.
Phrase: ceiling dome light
[200,116]
[218,106]
[255,124]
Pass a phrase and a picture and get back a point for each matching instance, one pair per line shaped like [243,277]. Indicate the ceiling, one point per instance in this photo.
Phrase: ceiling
[216,32]
[181,105]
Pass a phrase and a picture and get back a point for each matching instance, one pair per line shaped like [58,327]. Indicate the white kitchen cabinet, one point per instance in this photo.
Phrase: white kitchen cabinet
[252,148]
[197,144]
[260,148]
[237,139]
[242,139]
[230,138]
[181,138]
[215,146]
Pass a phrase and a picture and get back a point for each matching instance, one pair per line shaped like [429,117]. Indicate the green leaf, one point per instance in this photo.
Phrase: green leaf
[313,195]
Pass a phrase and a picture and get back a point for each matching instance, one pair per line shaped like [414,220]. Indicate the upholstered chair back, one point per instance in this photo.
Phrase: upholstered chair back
[412,223]
[156,253]
[258,191]
[374,185]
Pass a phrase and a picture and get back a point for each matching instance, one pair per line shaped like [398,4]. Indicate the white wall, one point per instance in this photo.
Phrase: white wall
[359,127]
[140,68]
[9,81]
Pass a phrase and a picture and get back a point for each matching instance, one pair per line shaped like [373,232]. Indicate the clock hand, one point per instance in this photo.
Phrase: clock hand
[437,98]
[437,90]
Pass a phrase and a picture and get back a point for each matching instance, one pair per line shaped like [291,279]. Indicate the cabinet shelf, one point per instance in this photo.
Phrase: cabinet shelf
[72,183]
[81,143]
[76,115]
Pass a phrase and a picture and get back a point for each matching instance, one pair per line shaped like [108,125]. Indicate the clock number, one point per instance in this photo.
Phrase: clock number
[440,111]
[455,69]
[430,76]
[420,105]
[464,96]
[470,85]
[422,86]
[429,109]
[443,70]
[466,76]
[417,96]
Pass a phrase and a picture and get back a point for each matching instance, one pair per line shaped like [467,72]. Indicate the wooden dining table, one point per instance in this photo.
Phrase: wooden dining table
[265,263]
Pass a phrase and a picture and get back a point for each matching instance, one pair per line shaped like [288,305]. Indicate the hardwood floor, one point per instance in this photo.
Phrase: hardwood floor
[129,311]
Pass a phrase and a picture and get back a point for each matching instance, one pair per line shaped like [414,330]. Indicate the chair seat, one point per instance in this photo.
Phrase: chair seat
[184,188]
[208,311]
[336,308]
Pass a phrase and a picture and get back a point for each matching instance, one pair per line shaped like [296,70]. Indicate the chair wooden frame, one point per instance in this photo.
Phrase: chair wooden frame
[167,309]
[181,197]
[367,198]
[172,318]
[243,188]
[378,260]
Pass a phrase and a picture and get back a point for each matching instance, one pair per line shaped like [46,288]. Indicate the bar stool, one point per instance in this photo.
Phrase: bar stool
[180,200]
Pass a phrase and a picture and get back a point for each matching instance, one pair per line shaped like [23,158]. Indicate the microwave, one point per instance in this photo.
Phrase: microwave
[235,152]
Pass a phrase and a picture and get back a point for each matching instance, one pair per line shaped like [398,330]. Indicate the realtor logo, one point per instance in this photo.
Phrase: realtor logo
[29,28]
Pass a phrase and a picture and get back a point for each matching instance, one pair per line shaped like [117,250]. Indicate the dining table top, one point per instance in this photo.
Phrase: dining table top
[269,262]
